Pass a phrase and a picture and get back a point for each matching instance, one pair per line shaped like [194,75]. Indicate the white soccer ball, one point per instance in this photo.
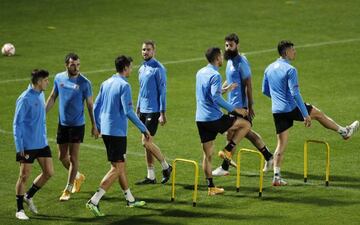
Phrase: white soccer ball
[8,49]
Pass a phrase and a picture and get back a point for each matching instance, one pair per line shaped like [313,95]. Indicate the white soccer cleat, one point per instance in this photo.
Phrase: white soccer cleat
[351,129]
[21,215]
[268,165]
[218,172]
[30,203]
[278,181]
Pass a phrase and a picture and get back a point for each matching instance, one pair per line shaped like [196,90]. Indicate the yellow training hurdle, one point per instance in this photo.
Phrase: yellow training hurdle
[327,159]
[260,170]
[195,182]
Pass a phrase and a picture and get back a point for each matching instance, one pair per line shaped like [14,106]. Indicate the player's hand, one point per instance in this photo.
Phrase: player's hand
[94,132]
[147,135]
[162,119]
[138,112]
[22,154]
[242,112]
[307,121]
[251,113]
[229,87]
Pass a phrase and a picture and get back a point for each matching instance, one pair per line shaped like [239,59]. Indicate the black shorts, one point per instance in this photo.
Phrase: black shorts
[209,129]
[31,155]
[151,121]
[70,134]
[115,148]
[284,121]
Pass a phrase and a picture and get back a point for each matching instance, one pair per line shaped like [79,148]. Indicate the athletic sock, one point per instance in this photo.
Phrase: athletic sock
[97,196]
[266,153]
[151,173]
[225,165]
[69,187]
[19,202]
[277,171]
[210,182]
[32,190]
[164,165]
[128,196]
[230,146]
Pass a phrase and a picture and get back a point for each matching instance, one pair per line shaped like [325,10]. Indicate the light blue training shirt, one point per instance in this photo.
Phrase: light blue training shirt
[281,84]
[113,106]
[208,95]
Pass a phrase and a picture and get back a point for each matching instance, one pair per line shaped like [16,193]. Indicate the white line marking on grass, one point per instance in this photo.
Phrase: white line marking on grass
[202,58]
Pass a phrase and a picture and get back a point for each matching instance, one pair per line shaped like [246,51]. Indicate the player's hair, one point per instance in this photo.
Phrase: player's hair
[72,56]
[150,42]
[212,53]
[232,37]
[121,62]
[38,74]
[283,45]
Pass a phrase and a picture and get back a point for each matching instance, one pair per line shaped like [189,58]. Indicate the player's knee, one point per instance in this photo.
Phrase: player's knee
[23,177]
[118,167]
[63,157]
[208,157]
[241,124]
[48,174]
[316,114]
[73,160]
[244,124]
[146,144]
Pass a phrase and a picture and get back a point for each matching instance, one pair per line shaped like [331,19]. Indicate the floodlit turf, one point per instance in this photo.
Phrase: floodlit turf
[327,36]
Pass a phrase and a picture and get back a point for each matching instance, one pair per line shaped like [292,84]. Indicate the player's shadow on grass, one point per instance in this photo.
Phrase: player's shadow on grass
[141,220]
[108,219]
[189,186]
[317,201]
[338,181]
[201,213]
[184,200]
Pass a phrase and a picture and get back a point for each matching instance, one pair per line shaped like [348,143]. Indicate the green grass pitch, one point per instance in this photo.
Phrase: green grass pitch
[327,37]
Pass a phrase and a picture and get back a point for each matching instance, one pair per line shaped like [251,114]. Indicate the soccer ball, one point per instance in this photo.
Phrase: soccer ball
[8,49]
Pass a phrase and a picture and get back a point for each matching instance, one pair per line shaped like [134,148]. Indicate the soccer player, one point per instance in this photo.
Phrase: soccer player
[72,88]
[31,141]
[151,107]
[209,118]
[113,106]
[280,83]
[238,72]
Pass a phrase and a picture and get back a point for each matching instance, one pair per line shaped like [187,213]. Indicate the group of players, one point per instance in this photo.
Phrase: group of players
[113,106]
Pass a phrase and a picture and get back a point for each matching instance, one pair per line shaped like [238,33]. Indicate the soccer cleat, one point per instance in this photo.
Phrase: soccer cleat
[218,172]
[166,175]
[351,129]
[94,208]
[227,156]
[146,181]
[215,191]
[21,215]
[77,183]
[277,181]
[135,204]
[30,203]
[268,165]
[65,195]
